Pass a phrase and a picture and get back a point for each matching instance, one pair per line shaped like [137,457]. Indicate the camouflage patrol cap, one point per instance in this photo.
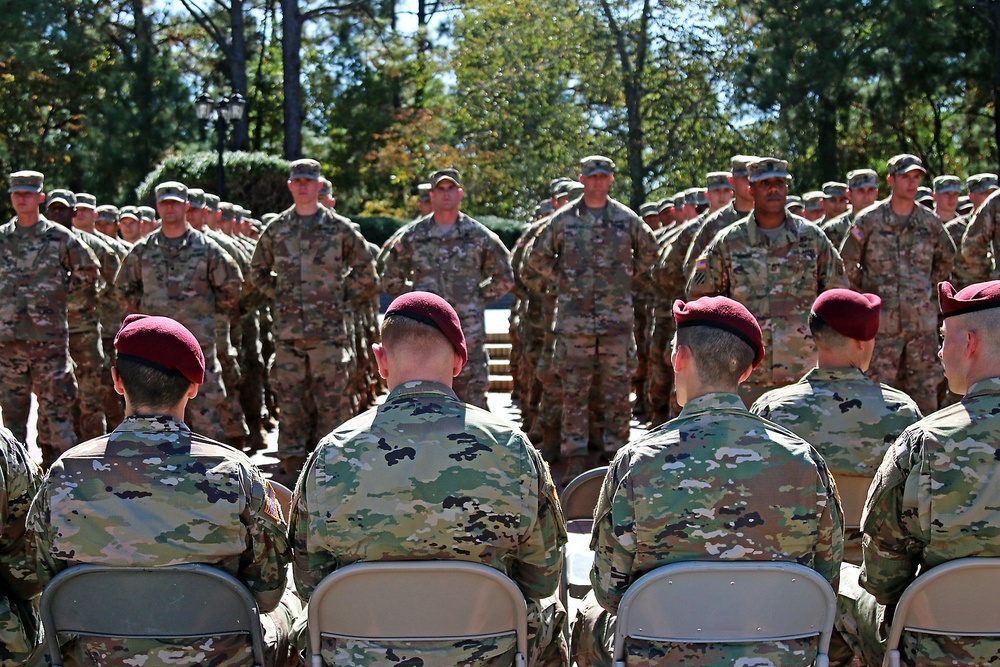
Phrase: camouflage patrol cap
[26,181]
[947,183]
[903,163]
[862,178]
[196,197]
[965,205]
[835,189]
[793,201]
[649,208]
[849,313]
[449,174]
[739,164]
[971,299]
[981,182]
[163,344]
[679,199]
[721,312]
[924,194]
[562,190]
[430,309]
[596,164]
[211,202]
[64,197]
[147,213]
[240,212]
[171,191]
[574,190]
[691,196]
[544,208]
[718,180]
[767,167]
[424,192]
[108,213]
[813,200]
[325,187]
[227,210]
[664,204]
[305,168]
[85,200]
[129,212]
[558,185]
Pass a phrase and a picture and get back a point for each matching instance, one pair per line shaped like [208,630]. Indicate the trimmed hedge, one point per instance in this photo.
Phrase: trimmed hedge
[378,229]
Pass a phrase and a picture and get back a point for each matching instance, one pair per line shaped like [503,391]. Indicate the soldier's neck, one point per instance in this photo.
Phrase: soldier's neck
[306,209]
[28,219]
[445,218]
[902,206]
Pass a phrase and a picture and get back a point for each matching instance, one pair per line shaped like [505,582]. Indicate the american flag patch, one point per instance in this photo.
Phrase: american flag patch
[397,246]
[701,264]
[856,233]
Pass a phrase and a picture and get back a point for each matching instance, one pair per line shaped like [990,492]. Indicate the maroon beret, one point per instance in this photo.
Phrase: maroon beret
[722,313]
[432,310]
[980,296]
[849,313]
[163,344]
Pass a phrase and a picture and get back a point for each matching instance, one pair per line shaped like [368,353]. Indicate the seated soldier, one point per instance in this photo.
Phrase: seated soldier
[936,496]
[152,493]
[716,483]
[850,419]
[19,477]
[427,477]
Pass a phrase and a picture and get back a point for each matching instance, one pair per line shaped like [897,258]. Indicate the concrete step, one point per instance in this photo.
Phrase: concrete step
[504,383]
[498,350]
[499,367]
[497,337]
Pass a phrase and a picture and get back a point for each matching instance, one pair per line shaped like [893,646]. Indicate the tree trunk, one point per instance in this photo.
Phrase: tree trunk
[995,26]
[827,154]
[635,144]
[238,71]
[291,61]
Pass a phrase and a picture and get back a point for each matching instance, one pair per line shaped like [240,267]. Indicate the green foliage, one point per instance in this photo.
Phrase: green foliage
[256,181]
[508,230]
[376,228]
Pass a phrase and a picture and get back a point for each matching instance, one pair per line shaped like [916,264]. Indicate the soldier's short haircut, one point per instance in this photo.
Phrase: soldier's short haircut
[986,323]
[399,330]
[824,335]
[721,357]
[149,387]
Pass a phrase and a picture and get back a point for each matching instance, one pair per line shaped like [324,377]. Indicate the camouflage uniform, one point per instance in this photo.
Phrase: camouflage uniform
[934,500]
[468,266]
[902,260]
[707,229]
[980,244]
[717,483]
[591,263]
[111,316]
[956,230]
[777,281]
[836,229]
[314,271]
[190,279]
[19,477]
[426,477]
[151,493]
[43,268]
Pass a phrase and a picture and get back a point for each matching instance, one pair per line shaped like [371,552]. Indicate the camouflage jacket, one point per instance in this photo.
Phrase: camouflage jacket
[591,263]
[468,266]
[708,228]
[19,479]
[902,261]
[935,499]
[668,277]
[151,493]
[837,228]
[189,279]
[43,269]
[956,230]
[777,281]
[426,477]
[313,271]
[716,483]
[84,318]
[850,419]
[980,244]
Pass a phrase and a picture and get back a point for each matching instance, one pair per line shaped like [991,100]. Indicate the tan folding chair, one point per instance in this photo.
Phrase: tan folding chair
[578,501]
[728,602]
[284,495]
[148,603]
[959,599]
[417,601]
[853,491]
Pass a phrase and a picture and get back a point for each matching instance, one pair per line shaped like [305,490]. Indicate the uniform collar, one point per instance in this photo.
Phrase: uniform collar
[788,228]
[414,387]
[983,388]
[834,375]
[151,423]
[712,401]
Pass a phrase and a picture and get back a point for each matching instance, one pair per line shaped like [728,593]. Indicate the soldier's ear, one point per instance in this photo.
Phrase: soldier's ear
[746,374]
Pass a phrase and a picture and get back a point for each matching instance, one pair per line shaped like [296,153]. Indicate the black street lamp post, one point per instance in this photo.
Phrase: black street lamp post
[222,113]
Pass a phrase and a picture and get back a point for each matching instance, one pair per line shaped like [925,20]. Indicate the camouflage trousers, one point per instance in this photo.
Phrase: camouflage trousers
[862,625]
[311,380]
[660,380]
[532,346]
[550,404]
[46,370]
[641,331]
[252,372]
[19,631]
[86,350]
[909,362]
[593,643]
[583,361]
[473,383]
[234,424]
[202,414]
[114,404]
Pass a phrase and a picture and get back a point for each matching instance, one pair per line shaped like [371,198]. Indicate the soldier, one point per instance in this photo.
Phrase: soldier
[424,207]
[153,493]
[314,270]
[18,622]
[850,419]
[900,250]
[947,189]
[85,216]
[739,207]
[934,498]
[812,203]
[665,210]
[862,191]
[591,251]
[147,221]
[925,197]
[177,270]
[834,199]
[45,267]
[980,187]
[716,483]
[85,318]
[719,190]
[130,225]
[979,241]
[436,479]
[795,206]
[776,264]
[457,258]
[326,194]
[650,214]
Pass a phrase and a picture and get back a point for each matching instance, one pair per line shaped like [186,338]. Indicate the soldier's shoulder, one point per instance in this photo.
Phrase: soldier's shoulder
[892,395]
[872,215]
[620,211]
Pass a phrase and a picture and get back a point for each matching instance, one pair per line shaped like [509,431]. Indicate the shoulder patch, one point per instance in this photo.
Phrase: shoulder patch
[857,233]
[701,264]
[271,505]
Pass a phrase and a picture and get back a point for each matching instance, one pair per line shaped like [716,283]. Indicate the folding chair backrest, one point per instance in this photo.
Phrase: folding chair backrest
[284,495]
[148,602]
[959,598]
[579,498]
[727,602]
[417,600]
[853,494]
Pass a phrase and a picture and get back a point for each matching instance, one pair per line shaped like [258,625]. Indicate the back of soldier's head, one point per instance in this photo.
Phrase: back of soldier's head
[420,322]
[724,338]
[158,360]
[840,315]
